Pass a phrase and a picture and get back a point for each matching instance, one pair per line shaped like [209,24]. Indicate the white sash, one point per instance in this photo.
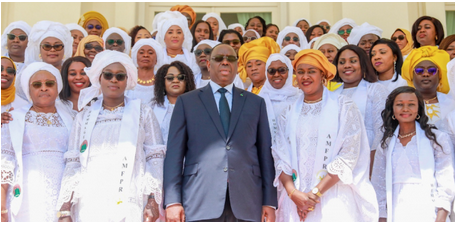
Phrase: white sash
[271,117]
[359,96]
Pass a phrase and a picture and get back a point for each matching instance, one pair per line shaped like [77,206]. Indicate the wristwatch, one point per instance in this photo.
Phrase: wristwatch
[61,214]
[316,192]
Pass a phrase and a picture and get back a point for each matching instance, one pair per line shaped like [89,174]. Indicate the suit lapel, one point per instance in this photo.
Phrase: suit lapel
[207,97]
[236,109]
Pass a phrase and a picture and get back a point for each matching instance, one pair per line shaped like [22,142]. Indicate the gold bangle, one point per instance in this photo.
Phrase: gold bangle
[5,211]
[291,193]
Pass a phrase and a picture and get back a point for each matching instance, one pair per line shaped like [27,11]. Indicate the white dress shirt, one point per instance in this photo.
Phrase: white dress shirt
[229,94]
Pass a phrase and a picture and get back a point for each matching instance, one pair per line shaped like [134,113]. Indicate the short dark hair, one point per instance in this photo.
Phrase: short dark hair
[396,51]
[66,91]
[160,89]
[134,31]
[262,21]
[438,30]
[446,42]
[271,25]
[193,29]
[366,66]
[230,31]
[309,31]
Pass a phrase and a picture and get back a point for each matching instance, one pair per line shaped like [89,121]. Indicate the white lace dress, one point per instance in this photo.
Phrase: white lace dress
[93,185]
[391,85]
[164,114]
[43,151]
[145,93]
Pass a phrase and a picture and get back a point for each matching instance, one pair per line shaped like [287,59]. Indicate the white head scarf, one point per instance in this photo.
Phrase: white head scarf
[234,25]
[341,23]
[295,23]
[207,42]
[153,31]
[14,25]
[296,30]
[75,26]
[34,67]
[42,30]
[169,18]
[126,38]
[152,43]
[312,41]
[324,21]
[290,47]
[330,38]
[221,24]
[256,33]
[287,89]
[359,31]
[102,60]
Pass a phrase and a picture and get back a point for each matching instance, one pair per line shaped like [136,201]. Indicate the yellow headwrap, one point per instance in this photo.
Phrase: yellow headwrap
[88,39]
[439,57]
[94,15]
[186,9]
[9,93]
[315,58]
[408,48]
[258,49]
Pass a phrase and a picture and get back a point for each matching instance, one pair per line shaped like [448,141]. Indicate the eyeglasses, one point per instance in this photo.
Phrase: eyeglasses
[326,27]
[281,70]
[230,58]
[342,32]
[21,37]
[170,78]
[49,84]
[90,47]
[400,37]
[118,41]
[431,71]
[235,42]
[48,47]
[249,38]
[288,38]
[90,27]
[109,76]
[207,51]
[9,70]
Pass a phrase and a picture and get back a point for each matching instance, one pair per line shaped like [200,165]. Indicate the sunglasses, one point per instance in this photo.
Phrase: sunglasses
[170,78]
[431,71]
[96,47]
[109,76]
[112,41]
[21,37]
[281,70]
[90,27]
[230,58]
[207,51]
[9,70]
[49,84]
[288,38]
[326,27]
[342,32]
[48,47]
[400,37]
[235,42]
[249,38]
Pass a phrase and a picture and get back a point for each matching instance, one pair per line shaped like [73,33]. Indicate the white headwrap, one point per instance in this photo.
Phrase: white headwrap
[330,38]
[312,41]
[75,26]
[323,21]
[169,18]
[102,60]
[287,89]
[256,33]
[290,47]
[42,30]
[207,42]
[126,38]
[359,31]
[14,25]
[153,31]
[234,25]
[152,43]
[34,67]
[341,23]
[295,23]
[297,31]
[221,24]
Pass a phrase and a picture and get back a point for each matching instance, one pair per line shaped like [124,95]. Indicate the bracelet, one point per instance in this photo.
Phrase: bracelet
[291,193]
[5,211]
[62,214]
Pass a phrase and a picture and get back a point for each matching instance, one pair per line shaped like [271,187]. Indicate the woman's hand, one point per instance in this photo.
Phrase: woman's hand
[442,214]
[65,219]
[381,219]
[4,216]
[6,116]
[304,201]
[151,212]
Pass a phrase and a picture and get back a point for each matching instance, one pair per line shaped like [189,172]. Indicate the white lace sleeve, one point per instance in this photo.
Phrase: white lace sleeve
[378,95]
[280,148]
[8,157]
[378,179]
[444,171]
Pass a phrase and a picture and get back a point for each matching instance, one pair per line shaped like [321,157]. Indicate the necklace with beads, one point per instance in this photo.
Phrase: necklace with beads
[48,121]
[112,108]
[406,135]
[428,100]
[172,56]
[311,102]
[146,81]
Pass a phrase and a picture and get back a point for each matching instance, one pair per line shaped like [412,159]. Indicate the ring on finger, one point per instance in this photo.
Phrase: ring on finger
[311,208]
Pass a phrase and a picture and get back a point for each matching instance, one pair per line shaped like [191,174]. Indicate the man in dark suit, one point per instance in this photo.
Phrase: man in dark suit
[222,134]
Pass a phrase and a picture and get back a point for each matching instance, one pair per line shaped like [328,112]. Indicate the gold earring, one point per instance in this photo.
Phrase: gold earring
[394,118]
[418,117]
[39,55]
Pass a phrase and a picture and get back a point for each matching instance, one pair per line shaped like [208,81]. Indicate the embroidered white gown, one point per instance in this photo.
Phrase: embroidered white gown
[391,85]
[145,93]
[163,114]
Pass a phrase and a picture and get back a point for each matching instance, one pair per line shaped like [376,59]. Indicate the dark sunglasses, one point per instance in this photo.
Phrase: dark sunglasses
[111,41]
[96,47]
[109,76]
[249,38]
[326,27]
[400,37]
[48,47]
[431,71]
[235,42]
[49,84]
[288,38]
[90,27]
[21,37]
[170,78]
[207,51]
[281,70]
[230,58]
[342,32]
[9,70]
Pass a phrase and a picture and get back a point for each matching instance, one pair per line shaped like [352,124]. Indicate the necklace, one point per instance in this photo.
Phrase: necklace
[180,53]
[146,81]
[428,100]
[311,102]
[48,121]
[406,135]
[112,108]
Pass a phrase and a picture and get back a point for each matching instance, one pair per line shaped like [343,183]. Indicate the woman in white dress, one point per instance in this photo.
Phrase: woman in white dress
[16,33]
[292,35]
[114,163]
[9,97]
[322,158]
[216,23]
[364,36]
[33,147]
[413,172]
[117,40]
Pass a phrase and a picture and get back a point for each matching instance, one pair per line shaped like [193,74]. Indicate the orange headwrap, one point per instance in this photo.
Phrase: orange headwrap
[258,49]
[88,39]
[94,15]
[315,58]
[186,9]
[408,36]
[9,93]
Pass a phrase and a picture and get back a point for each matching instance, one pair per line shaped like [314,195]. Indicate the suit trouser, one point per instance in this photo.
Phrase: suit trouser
[227,215]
